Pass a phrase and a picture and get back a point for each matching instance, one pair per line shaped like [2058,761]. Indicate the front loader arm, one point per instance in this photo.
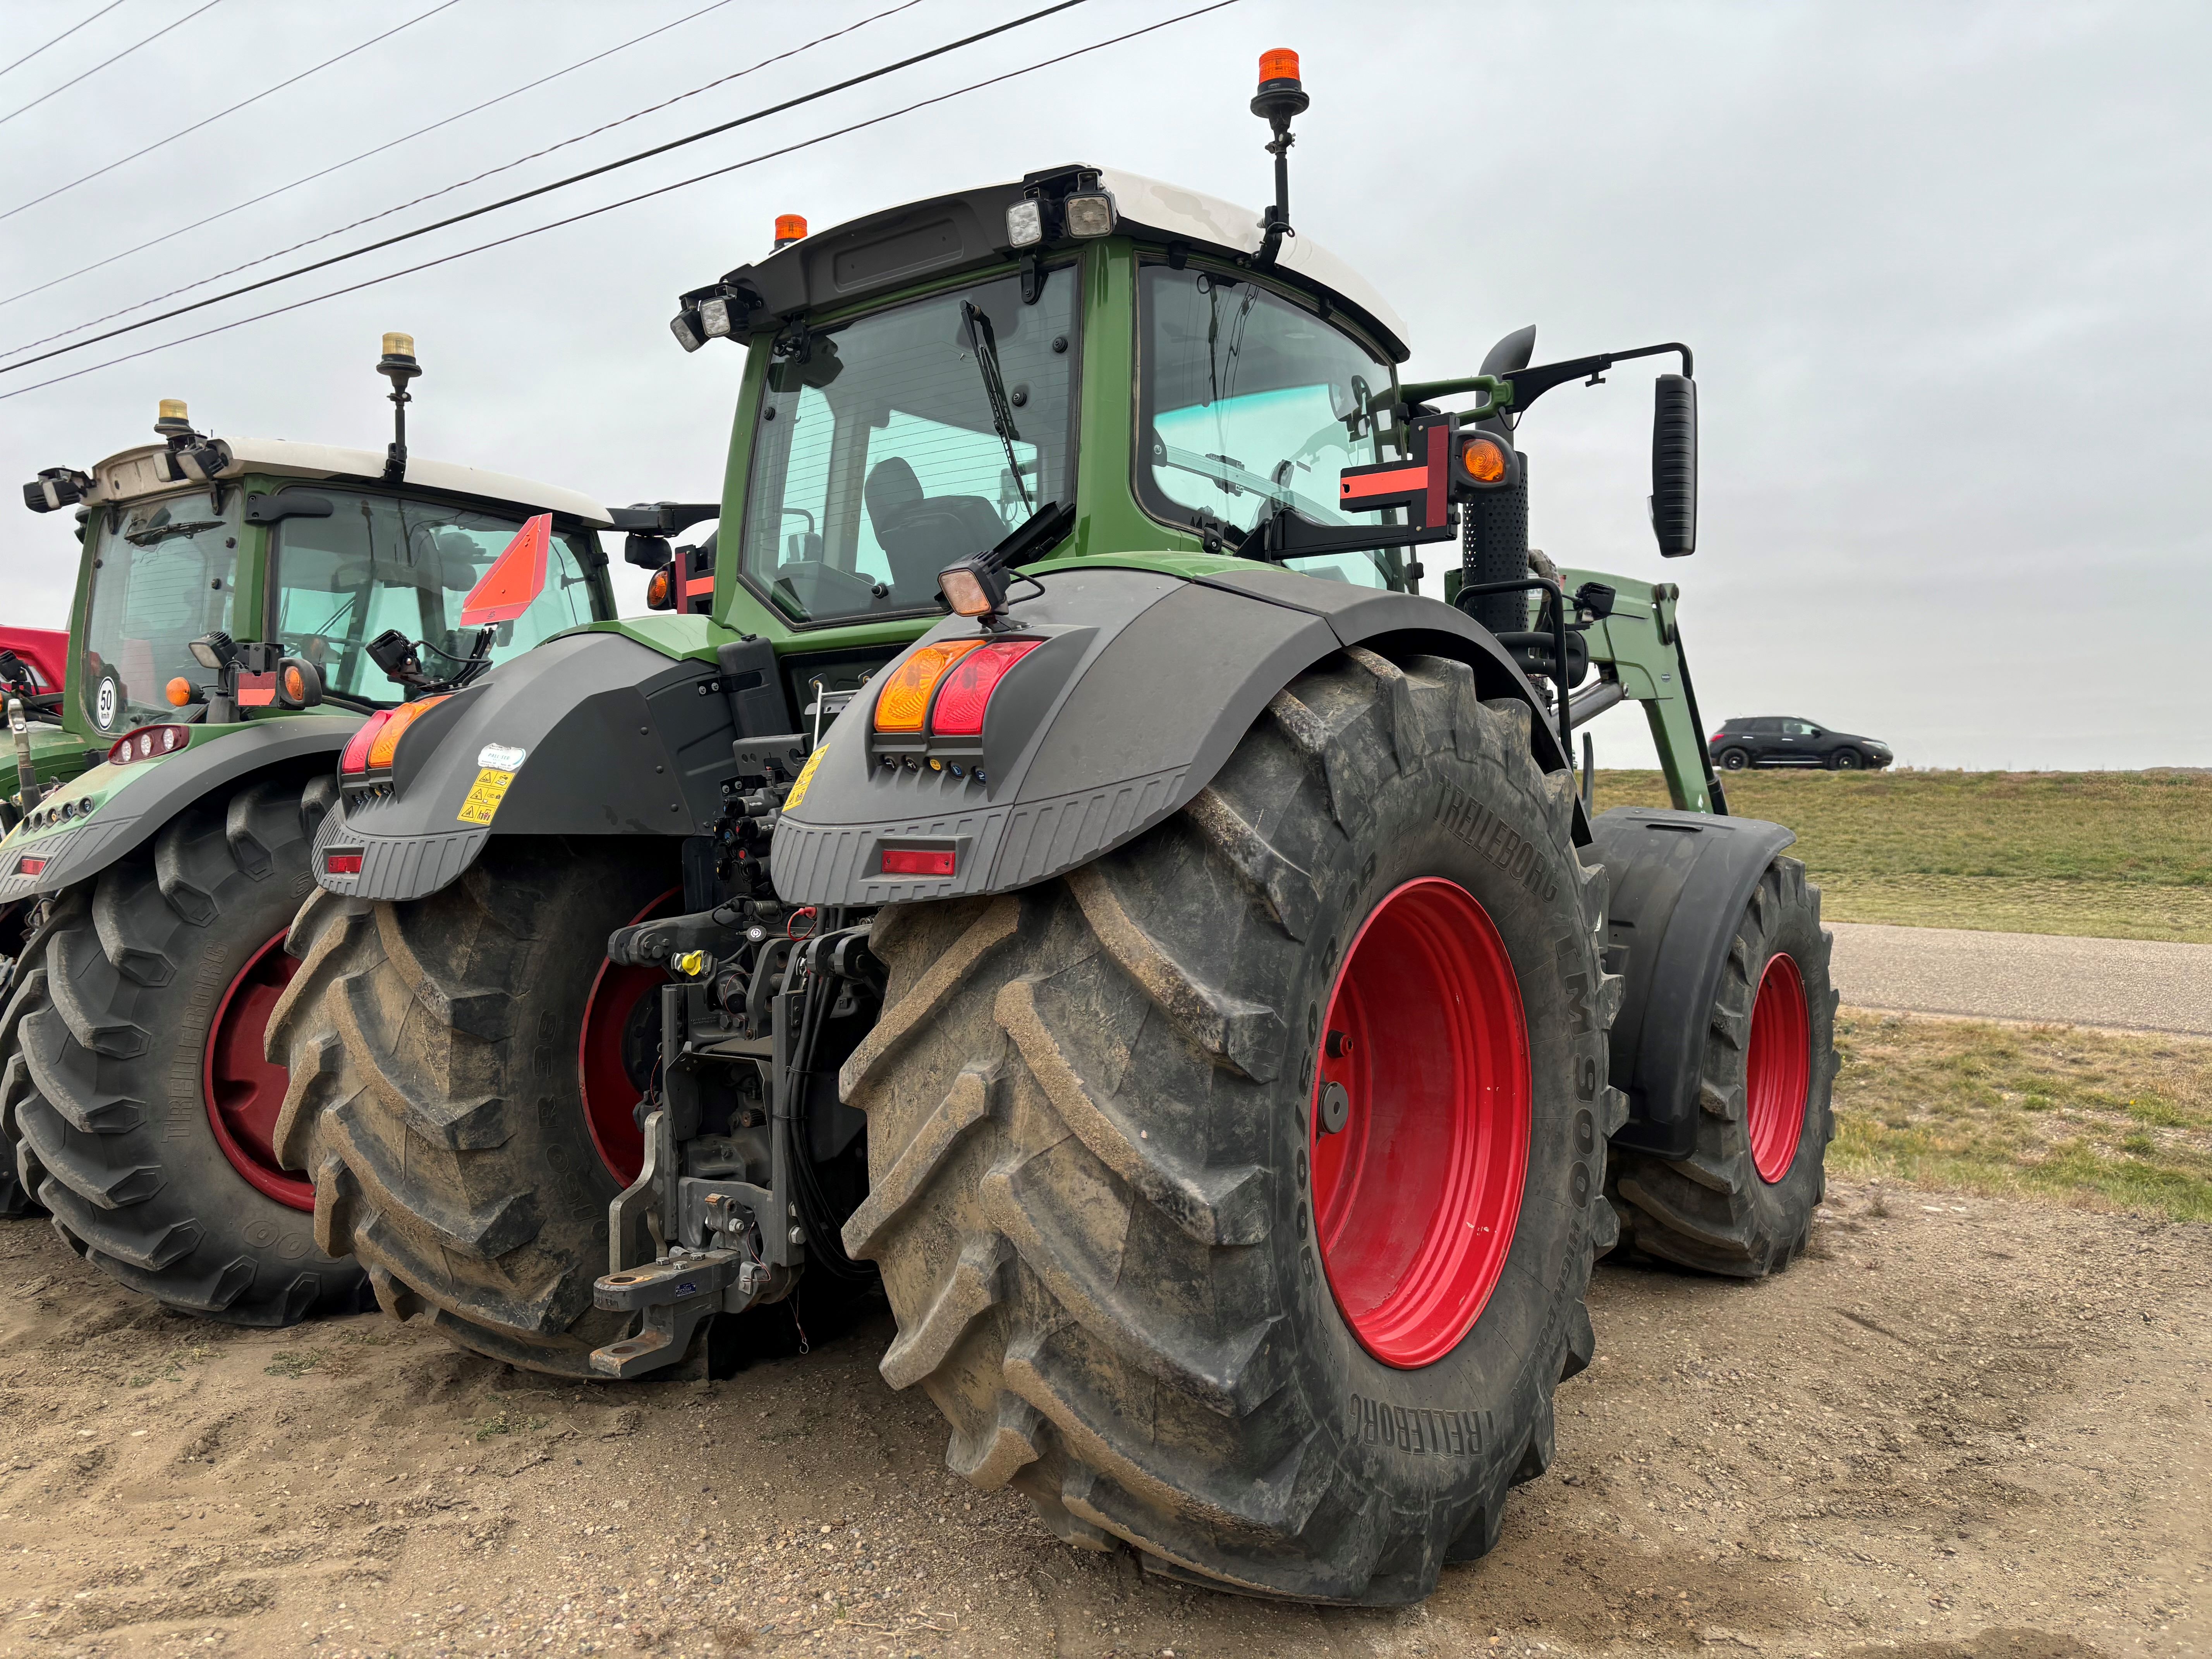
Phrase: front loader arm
[1640,646]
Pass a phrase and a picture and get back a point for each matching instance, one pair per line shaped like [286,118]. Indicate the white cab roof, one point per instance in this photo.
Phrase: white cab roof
[132,473]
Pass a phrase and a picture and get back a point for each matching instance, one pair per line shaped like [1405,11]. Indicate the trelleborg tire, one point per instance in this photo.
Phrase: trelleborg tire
[1094,1150]
[435,1099]
[1741,1204]
[134,1095]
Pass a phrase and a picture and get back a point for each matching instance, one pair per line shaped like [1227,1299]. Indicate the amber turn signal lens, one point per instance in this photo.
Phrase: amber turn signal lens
[179,692]
[295,685]
[396,728]
[1484,459]
[658,591]
[904,700]
[1279,64]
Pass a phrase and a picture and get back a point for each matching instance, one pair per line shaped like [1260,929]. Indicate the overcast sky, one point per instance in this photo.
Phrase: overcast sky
[1944,267]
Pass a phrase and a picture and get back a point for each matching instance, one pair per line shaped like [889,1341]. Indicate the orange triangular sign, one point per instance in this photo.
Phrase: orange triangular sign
[515,580]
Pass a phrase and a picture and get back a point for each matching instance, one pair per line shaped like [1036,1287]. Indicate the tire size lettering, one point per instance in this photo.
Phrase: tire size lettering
[1412,1429]
[1485,831]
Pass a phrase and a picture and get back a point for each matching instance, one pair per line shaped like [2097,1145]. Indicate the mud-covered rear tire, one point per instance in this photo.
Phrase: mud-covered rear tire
[1088,1152]
[1715,1211]
[103,1092]
[435,1098]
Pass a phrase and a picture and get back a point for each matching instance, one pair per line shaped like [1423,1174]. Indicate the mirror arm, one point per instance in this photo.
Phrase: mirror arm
[1524,387]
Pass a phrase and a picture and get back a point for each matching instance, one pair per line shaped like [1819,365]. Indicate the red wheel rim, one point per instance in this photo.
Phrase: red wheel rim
[1417,1196]
[610,1097]
[1778,1071]
[244,1091]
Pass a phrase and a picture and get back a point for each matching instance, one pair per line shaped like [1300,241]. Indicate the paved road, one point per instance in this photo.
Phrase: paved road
[2088,981]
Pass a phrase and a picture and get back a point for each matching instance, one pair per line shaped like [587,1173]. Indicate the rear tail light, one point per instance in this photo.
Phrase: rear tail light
[968,688]
[904,699]
[148,743]
[915,861]
[355,761]
[342,863]
[31,867]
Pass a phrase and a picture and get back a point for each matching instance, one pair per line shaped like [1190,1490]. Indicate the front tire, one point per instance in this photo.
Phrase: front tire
[135,1096]
[1846,760]
[1092,1119]
[1741,1203]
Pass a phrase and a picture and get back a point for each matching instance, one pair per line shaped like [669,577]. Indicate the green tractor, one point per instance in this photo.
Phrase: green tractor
[242,607]
[1072,878]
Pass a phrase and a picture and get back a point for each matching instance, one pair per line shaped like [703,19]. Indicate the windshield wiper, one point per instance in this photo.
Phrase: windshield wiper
[161,533]
[985,343]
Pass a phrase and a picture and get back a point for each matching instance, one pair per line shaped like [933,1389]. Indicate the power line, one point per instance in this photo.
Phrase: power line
[119,57]
[447,189]
[628,201]
[57,190]
[335,166]
[58,39]
[558,184]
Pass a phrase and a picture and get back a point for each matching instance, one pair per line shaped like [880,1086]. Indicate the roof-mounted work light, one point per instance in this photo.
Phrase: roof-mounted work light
[56,487]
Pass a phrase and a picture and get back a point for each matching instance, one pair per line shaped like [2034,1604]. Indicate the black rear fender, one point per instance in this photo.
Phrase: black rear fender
[1145,683]
[595,734]
[153,792]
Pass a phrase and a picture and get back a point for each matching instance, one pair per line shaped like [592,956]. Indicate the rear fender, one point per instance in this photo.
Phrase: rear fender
[136,800]
[588,734]
[1145,684]
[1678,883]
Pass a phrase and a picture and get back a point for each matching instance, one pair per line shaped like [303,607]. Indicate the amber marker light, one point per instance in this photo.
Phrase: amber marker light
[659,591]
[1279,64]
[1484,459]
[904,700]
[789,227]
[179,692]
[395,727]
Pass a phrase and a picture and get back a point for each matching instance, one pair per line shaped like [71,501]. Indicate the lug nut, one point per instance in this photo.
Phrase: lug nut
[798,1236]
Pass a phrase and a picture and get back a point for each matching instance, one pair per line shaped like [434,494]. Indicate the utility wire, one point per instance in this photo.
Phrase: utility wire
[335,166]
[160,143]
[58,39]
[557,184]
[79,328]
[119,57]
[627,201]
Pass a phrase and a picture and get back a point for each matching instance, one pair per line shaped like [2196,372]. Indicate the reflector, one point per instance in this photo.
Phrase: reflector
[915,861]
[342,863]
[30,866]
[904,699]
[515,580]
[967,694]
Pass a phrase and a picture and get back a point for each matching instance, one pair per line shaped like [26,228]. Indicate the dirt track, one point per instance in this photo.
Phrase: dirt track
[1962,1429]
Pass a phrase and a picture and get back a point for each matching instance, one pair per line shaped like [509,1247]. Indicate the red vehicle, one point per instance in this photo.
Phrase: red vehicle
[44,649]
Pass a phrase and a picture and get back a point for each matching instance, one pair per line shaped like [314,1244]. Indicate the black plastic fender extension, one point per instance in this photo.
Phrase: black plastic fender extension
[159,790]
[1145,684]
[588,734]
[1678,884]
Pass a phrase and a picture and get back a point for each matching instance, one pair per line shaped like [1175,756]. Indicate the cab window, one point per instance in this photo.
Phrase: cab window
[163,573]
[1251,404]
[381,562]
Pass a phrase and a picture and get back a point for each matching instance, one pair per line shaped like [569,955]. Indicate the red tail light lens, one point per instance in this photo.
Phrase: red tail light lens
[32,867]
[342,863]
[915,861]
[967,690]
[355,758]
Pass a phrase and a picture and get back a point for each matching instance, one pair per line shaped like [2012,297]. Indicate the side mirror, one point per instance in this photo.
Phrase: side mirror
[1674,465]
[647,552]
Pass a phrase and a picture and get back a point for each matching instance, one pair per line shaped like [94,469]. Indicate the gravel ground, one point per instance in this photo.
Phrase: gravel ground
[1959,1429]
[2134,984]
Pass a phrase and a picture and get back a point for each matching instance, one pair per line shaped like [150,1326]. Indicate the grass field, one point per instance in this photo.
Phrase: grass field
[2119,855]
[2092,1119]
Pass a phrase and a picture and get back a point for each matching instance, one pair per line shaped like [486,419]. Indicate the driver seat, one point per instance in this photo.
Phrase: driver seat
[921,534]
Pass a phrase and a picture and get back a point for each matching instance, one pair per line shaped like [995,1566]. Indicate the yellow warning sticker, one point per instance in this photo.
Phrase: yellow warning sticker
[805,776]
[485,795]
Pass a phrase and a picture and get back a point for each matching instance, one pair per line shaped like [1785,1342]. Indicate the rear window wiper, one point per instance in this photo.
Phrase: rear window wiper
[161,533]
[986,343]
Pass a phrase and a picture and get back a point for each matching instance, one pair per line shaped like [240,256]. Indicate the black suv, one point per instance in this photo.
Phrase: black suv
[1779,740]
